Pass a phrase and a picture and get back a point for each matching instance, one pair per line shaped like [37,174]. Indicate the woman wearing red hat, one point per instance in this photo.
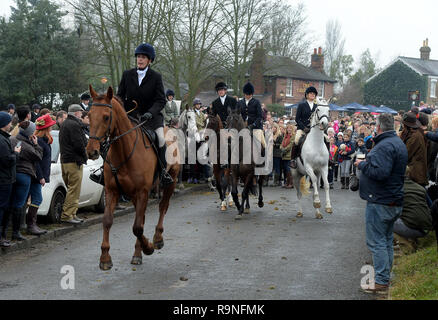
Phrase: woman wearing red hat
[43,127]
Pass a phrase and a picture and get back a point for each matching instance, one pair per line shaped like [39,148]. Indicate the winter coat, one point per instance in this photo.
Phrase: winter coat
[277,145]
[432,152]
[416,214]
[304,112]
[43,167]
[222,109]
[417,157]
[382,174]
[350,150]
[252,113]
[149,96]
[287,151]
[30,154]
[8,159]
[170,111]
[72,141]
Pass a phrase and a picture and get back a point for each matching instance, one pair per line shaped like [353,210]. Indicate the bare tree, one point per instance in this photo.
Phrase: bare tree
[285,32]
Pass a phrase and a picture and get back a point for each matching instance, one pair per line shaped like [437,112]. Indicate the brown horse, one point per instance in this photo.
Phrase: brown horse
[221,175]
[134,162]
[244,171]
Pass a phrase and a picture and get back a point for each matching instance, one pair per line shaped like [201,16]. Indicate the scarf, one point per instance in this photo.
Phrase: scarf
[286,140]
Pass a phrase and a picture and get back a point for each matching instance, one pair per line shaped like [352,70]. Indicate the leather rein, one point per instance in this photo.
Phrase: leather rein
[318,117]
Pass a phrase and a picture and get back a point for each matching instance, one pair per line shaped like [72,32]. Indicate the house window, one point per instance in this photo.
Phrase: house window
[433,88]
[321,88]
[289,88]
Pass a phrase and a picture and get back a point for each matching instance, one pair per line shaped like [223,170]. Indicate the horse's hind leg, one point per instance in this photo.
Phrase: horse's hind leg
[296,180]
[328,206]
[261,180]
[220,187]
[107,221]
[164,205]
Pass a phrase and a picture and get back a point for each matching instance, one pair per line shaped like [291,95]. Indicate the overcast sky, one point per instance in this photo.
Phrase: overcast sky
[389,28]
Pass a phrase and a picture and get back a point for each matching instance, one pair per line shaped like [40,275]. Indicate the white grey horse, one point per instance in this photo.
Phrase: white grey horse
[315,158]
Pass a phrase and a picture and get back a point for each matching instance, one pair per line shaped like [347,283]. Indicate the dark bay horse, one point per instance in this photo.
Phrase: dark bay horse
[222,175]
[134,162]
[244,171]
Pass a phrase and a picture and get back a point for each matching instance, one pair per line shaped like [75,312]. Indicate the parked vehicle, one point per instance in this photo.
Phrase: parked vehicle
[92,194]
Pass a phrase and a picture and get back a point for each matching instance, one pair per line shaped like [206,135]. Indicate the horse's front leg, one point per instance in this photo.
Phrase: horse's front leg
[315,183]
[235,183]
[220,187]
[107,221]
[142,243]
[328,206]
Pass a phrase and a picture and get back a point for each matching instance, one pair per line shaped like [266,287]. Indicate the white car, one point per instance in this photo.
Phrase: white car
[92,194]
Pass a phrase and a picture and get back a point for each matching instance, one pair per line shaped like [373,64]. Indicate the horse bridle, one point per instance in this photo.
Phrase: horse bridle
[318,117]
[108,130]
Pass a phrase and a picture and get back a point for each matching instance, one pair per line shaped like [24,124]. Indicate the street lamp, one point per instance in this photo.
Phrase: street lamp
[281,95]
[104,80]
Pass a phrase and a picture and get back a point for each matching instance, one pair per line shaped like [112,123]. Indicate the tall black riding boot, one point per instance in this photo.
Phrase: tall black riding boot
[16,224]
[294,155]
[347,182]
[165,177]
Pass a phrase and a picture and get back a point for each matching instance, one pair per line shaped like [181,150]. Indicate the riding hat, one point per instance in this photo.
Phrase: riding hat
[221,85]
[85,96]
[147,50]
[197,101]
[311,89]
[44,122]
[170,93]
[248,89]
[410,120]
[36,106]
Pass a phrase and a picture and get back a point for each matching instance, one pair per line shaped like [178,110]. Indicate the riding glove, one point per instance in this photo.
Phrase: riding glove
[146,116]
[307,130]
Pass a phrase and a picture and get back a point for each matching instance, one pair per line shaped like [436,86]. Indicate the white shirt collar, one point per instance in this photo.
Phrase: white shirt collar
[223,99]
[141,74]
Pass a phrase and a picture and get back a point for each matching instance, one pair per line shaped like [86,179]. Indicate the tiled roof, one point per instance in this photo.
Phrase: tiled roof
[278,66]
[425,67]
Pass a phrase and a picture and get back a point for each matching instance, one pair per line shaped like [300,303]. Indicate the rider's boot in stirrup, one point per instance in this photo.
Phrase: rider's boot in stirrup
[293,162]
[165,177]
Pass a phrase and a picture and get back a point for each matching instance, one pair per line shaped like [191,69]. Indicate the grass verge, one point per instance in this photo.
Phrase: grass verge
[416,274]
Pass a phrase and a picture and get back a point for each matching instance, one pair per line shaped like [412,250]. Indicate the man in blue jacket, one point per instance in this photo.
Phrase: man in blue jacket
[381,185]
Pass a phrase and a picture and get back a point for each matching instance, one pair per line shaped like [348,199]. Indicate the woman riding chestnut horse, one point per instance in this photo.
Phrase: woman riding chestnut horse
[132,165]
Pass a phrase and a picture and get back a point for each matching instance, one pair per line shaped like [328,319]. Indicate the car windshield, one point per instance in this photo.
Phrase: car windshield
[55,146]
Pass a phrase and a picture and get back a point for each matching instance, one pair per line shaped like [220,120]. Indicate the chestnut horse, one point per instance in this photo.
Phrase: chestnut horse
[129,168]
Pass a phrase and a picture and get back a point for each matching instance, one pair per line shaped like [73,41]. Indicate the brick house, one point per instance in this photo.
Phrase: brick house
[280,80]
[392,85]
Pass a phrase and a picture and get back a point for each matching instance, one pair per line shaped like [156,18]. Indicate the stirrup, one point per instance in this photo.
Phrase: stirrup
[293,164]
[97,176]
[165,178]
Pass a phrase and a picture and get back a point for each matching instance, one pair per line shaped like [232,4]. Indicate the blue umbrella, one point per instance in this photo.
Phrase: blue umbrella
[376,109]
[388,109]
[354,106]
[334,107]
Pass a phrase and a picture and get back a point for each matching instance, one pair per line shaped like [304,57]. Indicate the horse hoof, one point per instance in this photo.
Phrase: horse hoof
[300,215]
[329,210]
[223,208]
[319,216]
[238,217]
[137,260]
[105,265]
[317,205]
[148,251]
[159,244]
[246,211]
[230,204]
[261,204]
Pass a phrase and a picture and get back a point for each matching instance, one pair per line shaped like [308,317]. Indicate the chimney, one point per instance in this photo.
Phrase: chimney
[425,50]
[317,60]
[257,68]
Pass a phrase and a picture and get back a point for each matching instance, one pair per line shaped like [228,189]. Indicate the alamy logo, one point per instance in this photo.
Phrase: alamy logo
[68,281]
[368,281]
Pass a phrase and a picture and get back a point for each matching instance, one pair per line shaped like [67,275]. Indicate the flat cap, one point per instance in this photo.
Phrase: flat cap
[74,108]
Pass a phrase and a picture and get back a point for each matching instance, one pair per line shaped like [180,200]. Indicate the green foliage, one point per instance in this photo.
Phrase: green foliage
[39,57]
[277,108]
[391,87]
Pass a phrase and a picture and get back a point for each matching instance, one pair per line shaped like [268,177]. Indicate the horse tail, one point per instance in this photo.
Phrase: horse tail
[304,186]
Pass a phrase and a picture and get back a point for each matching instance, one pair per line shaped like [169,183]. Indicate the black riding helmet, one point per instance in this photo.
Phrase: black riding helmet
[309,90]
[221,85]
[147,50]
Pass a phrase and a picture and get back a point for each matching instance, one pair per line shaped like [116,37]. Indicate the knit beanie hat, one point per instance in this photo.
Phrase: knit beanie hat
[5,119]
[28,128]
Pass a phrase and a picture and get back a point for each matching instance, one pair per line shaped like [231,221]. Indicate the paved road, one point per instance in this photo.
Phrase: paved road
[268,255]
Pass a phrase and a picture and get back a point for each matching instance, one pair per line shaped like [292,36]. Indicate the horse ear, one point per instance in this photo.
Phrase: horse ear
[187,107]
[110,93]
[92,92]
